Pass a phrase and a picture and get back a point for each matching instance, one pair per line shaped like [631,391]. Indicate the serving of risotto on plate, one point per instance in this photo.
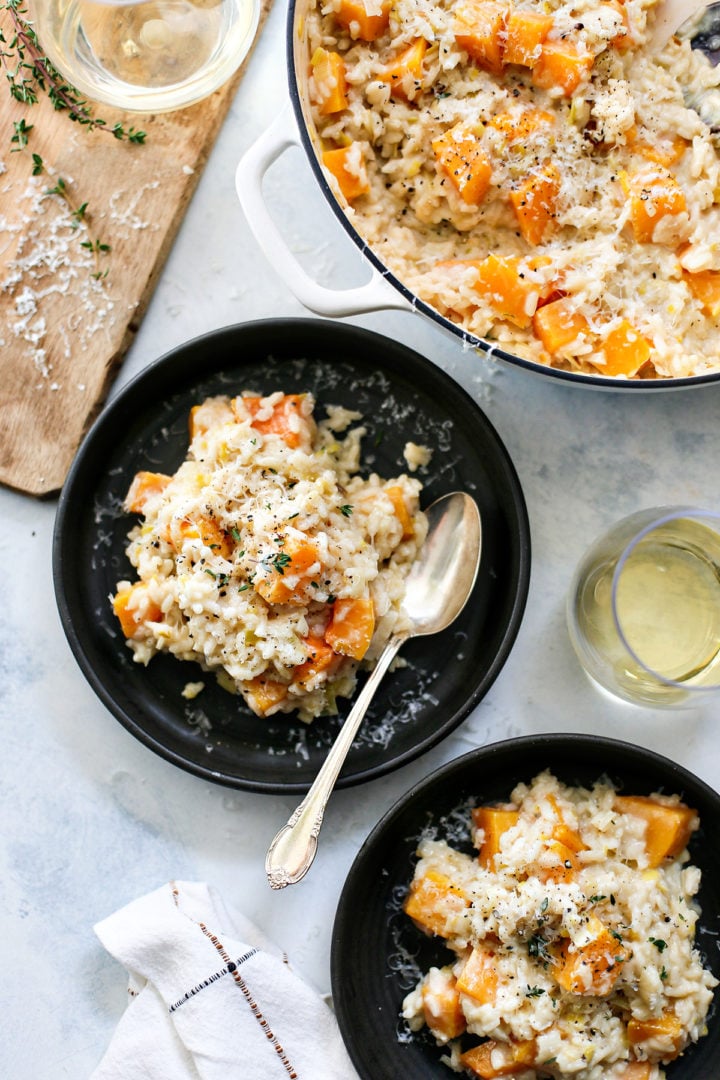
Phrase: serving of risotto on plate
[532,171]
[267,558]
[571,937]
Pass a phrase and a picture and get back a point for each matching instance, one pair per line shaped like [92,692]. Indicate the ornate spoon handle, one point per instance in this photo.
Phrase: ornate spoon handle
[291,853]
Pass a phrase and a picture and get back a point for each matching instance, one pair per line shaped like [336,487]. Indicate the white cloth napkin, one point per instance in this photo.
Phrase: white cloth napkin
[212,999]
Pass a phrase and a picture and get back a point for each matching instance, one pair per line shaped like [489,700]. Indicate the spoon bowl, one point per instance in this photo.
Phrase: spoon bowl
[437,589]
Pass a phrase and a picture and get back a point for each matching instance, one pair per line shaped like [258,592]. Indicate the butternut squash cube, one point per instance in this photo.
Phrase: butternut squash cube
[705,285]
[519,127]
[328,70]
[637,1070]
[460,156]
[526,32]
[593,966]
[654,193]
[145,487]
[351,626]
[562,66]
[480,29]
[320,658]
[347,165]
[434,902]
[668,828]
[625,351]
[565,867]
[212,413]
[264,694]
[666,1028]
[534,203]
[207,530]
[134,609]
[286,419]
[665,152]
[353,15]
[492,1059]
[441,1005]
[400,509]
[404,73]
[558,325]
[494,821]
[508,288]
[478,978]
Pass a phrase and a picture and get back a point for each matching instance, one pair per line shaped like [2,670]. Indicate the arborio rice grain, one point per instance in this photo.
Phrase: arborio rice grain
[572,934]
[267,558]
[531,170]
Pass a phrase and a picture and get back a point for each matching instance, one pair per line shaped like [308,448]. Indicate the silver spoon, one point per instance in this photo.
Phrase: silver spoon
[437,590]
[670,16]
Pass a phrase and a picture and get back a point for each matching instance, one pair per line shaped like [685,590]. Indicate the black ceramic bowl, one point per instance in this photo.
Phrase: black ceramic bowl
[402,397]
[378,954]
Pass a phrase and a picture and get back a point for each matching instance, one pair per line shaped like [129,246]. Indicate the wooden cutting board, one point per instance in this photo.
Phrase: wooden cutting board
[63,330]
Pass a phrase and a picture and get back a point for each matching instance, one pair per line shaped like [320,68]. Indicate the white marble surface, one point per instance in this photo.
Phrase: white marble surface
[91,819]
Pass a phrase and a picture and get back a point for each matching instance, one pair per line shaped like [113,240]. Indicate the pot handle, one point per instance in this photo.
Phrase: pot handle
[375,295]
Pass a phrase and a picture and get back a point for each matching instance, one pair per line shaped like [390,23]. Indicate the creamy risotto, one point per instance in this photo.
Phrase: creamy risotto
[571,933]
[267,557]
[532,171]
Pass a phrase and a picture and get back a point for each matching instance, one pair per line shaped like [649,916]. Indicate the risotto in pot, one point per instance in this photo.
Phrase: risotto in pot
[532,171]
[267,558]
[572,937]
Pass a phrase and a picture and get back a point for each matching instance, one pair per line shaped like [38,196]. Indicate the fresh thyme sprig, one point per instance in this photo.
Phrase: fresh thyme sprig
[78,215]
[29,72]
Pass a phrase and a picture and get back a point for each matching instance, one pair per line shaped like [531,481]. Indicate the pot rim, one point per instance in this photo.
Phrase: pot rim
[294,41]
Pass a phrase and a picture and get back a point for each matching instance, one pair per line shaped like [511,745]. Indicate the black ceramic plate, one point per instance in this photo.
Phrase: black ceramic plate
[402,397]
[378,954]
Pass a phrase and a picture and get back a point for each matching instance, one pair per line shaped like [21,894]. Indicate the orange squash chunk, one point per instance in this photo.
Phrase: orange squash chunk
[668,828]
[557,325]
[442,1010]
[145,486]
[625,350]
[666,1027]
[353,182]
[494,821]
[400,509]
[622,40]
[654,193]
[288,575]
[591,968]
[351,627]
[526,31]
[207,530]
[705,285]
[433,901]
[565,868]
[561,66]
[461,157]
[328,69]
[637,1070]
[505,284]
[320,658]
[518,128]
[534,203]
[263,694]
[212,412]
[667,153]
[569,838]
[492,1058]
[283,420]
[354,17]
[478,978]
[142,610]
[479,30]
[406,67]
